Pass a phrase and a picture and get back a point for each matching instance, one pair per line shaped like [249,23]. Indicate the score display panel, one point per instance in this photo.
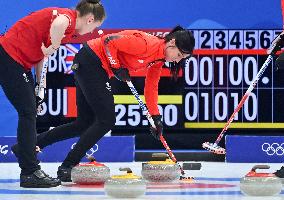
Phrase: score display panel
[214,80]
[220,72]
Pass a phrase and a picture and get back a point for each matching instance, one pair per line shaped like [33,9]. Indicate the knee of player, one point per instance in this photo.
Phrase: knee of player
[108,121]
[27,113]
[83,123]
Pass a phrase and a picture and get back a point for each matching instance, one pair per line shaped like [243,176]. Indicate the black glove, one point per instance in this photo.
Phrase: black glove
[158,131]
[276,44]
[39,106]
[279,64]
[121,74]
[40,98]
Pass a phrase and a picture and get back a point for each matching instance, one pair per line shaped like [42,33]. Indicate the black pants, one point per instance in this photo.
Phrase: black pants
[95,108]
[18,85]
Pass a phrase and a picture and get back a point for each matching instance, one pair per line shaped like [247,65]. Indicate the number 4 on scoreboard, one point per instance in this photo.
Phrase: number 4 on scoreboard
[235,39]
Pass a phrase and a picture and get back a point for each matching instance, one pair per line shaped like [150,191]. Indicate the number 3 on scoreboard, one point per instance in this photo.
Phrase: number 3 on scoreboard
[220,39]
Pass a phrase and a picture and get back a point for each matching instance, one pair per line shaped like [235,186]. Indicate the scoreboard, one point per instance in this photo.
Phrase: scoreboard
[220,72]
[213,82]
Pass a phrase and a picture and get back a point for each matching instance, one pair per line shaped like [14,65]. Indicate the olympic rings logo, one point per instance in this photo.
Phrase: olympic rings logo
[272,149]
[91,151]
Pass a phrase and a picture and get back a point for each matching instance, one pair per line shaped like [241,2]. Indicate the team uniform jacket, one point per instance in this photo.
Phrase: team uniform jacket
[134,50]
[24,39]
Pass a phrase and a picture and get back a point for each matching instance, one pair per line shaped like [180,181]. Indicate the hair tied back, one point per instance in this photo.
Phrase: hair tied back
[93,1]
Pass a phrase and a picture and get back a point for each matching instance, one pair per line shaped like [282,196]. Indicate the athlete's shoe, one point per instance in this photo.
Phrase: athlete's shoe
[38,179]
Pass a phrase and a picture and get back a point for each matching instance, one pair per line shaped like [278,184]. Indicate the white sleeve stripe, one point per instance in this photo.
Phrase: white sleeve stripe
[70,21]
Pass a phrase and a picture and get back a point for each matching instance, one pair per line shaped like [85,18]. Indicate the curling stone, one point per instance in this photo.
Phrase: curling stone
[90,173]
[125,186]
[260,184]
[162,169]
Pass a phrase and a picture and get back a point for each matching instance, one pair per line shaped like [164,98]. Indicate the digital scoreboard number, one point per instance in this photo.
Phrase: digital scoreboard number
[217,76]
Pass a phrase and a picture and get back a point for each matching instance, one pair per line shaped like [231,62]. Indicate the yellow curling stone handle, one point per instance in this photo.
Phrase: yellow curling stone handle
[126,176]
[166,162]
[129,174]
